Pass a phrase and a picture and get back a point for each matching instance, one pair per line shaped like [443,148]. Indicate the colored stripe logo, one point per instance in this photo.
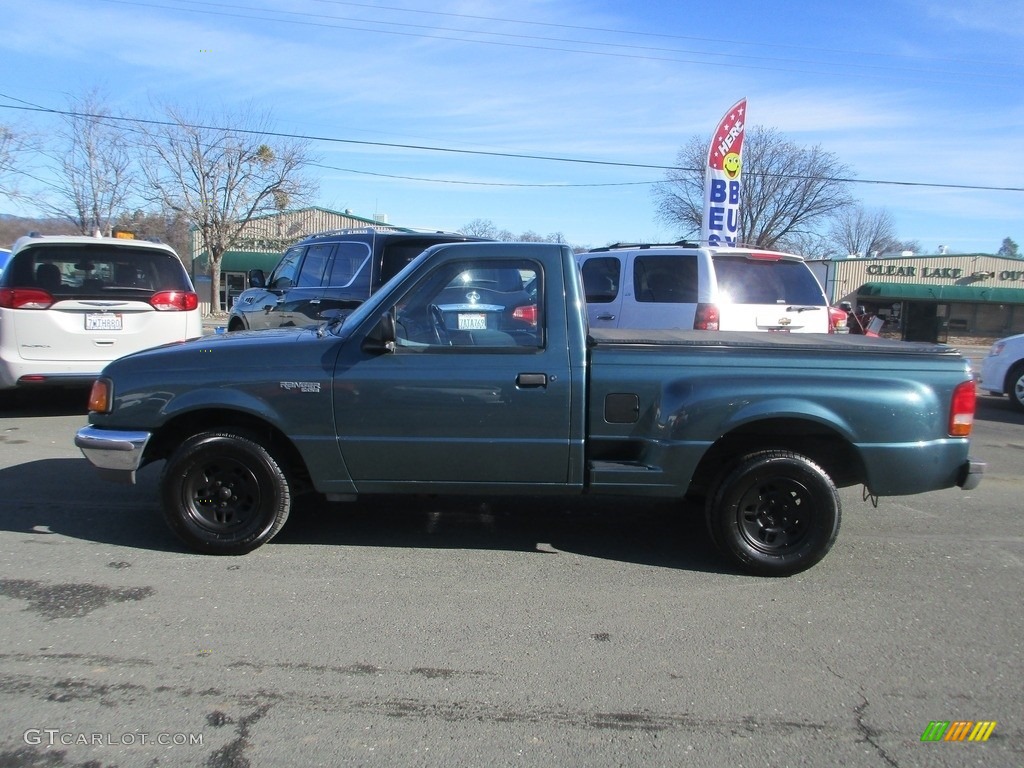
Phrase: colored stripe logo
[958,730]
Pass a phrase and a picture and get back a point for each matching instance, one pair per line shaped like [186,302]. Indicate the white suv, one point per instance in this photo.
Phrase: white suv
[70,304]
[714,289]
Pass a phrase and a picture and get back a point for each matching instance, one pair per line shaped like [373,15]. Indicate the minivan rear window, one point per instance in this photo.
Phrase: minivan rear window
[745,281]
[75,271]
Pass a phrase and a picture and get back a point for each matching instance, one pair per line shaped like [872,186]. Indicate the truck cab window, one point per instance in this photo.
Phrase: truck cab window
[467,306]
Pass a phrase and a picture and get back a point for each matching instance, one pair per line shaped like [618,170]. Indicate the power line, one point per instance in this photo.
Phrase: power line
[301,19]
[552,185]
[661,35]
[477,152]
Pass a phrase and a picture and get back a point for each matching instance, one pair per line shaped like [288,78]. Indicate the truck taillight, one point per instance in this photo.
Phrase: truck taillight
[961,411]
[707,318]
[527,313]
[174,301]
[25,298]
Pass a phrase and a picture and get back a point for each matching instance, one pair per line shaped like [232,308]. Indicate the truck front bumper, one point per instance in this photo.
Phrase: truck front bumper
[115,453]
[971,473]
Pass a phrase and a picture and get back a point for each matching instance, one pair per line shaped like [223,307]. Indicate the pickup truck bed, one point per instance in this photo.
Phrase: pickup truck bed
[862,407]
[823,343]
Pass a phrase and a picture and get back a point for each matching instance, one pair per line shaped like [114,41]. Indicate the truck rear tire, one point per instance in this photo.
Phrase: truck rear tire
[775,513]
[223,493]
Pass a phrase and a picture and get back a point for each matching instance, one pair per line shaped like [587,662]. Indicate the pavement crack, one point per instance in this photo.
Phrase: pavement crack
[868,734]
[232,754]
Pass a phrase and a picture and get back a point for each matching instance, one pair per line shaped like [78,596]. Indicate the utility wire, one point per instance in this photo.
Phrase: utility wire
[281,17]
[478,152]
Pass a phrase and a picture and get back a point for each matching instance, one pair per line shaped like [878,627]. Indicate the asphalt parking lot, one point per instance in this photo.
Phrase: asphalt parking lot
[484,631]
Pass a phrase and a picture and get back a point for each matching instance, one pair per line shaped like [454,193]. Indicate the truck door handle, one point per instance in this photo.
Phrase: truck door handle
[606,317]
[532,380]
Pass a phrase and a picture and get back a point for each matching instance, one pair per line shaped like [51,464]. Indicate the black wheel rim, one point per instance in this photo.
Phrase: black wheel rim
[775,515]
[222,495]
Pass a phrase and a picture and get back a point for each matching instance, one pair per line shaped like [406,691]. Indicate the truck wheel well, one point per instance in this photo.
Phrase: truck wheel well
[825,447]
[180,428]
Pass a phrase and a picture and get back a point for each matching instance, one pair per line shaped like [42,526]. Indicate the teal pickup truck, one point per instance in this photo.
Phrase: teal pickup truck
[473,371]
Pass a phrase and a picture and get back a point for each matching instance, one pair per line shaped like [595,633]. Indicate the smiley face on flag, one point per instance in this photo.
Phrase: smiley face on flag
[731,165]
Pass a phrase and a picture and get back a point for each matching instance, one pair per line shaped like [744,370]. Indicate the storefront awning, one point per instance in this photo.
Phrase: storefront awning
[240,261]
[943,293]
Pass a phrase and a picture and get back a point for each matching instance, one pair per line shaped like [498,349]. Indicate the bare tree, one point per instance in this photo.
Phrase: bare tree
[170,227]
[813,245]
[7,172]
[93,166]
[788,191]
[12,144]
[220,178]
[487,228]
[864,232]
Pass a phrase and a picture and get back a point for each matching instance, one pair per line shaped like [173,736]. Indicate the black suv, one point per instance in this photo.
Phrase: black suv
[329,271]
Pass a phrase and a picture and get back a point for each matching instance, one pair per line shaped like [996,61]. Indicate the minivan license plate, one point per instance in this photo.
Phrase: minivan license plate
[102,321]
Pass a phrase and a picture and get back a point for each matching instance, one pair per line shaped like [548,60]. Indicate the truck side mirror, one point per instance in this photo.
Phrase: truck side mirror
[257,279]
[382,337]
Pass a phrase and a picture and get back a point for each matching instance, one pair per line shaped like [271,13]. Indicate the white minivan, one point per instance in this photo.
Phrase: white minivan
[71,304]
[715,289]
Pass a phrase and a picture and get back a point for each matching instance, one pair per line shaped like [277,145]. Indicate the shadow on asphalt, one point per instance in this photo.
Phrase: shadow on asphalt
[44,402]
[998,409]
[66,497]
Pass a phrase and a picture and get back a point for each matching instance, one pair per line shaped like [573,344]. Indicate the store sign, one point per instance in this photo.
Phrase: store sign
[932,273]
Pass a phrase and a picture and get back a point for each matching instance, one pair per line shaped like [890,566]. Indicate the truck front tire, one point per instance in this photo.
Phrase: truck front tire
[775,513]
[223,493]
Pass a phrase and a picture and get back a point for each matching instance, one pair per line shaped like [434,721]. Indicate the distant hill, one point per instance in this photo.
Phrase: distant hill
[13,227]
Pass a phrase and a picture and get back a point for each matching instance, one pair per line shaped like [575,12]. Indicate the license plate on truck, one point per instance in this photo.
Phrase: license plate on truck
[102,321]
[472,322]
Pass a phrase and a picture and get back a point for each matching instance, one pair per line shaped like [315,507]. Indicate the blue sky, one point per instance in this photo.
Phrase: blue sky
[918,91]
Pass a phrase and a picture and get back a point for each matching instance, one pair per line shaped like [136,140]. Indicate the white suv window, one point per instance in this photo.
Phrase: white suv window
[741,281]
[686,287]
[665,279]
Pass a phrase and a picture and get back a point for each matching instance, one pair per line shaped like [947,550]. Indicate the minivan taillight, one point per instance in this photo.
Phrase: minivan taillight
[174,301]
[707,318]
[25,298]
[961,409]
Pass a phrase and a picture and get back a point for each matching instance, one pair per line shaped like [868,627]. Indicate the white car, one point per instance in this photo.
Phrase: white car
[1002,371]
[71,304]
[713,289]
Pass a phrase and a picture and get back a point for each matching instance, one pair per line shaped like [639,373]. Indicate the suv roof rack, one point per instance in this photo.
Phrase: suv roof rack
[383,229]
[620,246]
